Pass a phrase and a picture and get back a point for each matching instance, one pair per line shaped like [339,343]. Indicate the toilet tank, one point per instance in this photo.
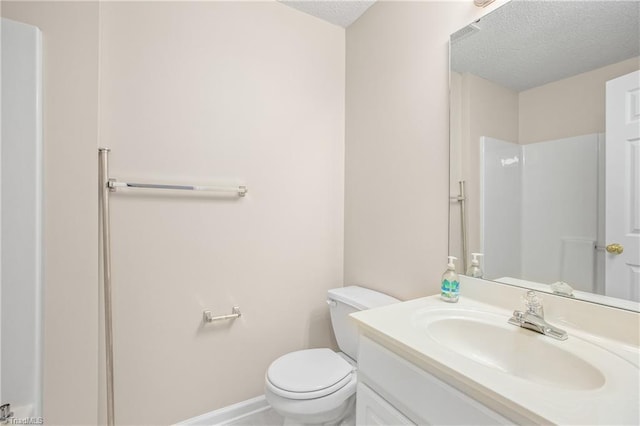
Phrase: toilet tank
[347,300]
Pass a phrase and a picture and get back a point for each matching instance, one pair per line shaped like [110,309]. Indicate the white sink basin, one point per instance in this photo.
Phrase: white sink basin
[534,379]
[489,340]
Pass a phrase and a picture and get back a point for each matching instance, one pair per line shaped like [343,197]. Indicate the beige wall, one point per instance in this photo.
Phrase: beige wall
[70,62]
[258,94]
[188,92]
[214,92]
[456,152]
[569,107]
[397,157]
[487,110]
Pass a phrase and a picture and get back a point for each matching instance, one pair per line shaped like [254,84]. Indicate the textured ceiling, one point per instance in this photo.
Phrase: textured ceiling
[525,44]
[339,12]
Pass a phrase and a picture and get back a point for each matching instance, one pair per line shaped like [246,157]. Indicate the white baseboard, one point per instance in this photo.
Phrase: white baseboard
[230,413]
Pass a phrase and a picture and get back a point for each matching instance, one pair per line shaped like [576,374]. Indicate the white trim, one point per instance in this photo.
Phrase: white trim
[229,414]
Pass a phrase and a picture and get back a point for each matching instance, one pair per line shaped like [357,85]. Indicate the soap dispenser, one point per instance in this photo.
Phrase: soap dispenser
[450,289]
[474,269]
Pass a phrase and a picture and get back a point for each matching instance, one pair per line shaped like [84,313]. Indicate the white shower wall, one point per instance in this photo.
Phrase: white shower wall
[21,225]
[501,207]
[560,211]
[540,210]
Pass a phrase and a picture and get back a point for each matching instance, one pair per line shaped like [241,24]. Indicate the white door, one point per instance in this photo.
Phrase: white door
[623,187]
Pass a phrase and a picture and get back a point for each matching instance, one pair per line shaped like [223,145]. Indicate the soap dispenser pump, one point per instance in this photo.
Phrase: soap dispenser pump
[474,269]
[450,289]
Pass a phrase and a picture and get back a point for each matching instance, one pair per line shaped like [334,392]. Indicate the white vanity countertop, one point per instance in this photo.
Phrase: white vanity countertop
[581,295]
[616,401]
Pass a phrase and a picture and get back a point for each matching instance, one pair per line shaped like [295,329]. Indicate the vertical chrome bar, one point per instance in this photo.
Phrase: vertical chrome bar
[103,154]
[463,198]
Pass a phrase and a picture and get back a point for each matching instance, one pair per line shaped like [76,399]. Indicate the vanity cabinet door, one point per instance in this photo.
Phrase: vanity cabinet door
[419,395]
[373,410]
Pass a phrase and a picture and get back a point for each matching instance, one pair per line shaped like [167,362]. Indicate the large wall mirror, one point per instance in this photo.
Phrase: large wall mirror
[545,134]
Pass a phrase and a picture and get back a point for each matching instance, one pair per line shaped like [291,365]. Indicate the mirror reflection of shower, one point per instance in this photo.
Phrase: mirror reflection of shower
[512,81]
[542,208]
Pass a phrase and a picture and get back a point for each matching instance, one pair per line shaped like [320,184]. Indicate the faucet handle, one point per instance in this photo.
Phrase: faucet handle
[533,302]
[518,316]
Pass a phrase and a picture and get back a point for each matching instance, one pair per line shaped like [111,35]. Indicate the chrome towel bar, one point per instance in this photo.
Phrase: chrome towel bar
[207,316]
[241,190]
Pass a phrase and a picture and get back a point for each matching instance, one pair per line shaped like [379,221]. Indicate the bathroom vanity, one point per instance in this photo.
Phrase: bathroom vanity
[426,361]
[392,390]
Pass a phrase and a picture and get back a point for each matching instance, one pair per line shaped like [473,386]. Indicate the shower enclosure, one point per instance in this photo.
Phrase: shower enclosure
[542,210]
[21,221]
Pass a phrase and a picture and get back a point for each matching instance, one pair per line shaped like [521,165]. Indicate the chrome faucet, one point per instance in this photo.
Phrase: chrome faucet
[533,318]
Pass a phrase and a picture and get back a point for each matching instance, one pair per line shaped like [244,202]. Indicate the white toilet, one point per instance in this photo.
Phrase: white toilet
[318,386]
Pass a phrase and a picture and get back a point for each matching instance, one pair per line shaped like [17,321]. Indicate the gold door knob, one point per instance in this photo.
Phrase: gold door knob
[615,248]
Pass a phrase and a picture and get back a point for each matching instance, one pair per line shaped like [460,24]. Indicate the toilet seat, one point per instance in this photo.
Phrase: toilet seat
[308,374]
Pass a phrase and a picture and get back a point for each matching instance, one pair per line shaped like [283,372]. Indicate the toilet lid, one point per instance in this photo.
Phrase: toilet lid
[309,371]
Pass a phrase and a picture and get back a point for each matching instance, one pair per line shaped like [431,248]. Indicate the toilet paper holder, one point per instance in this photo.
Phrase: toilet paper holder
[207,316]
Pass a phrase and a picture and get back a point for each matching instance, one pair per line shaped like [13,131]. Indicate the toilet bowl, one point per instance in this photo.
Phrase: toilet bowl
[313,386]
[318,386]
